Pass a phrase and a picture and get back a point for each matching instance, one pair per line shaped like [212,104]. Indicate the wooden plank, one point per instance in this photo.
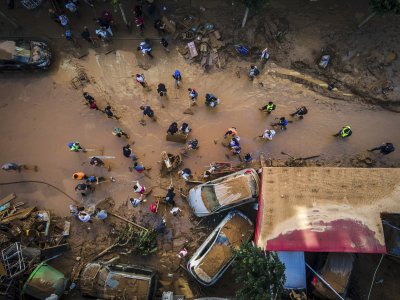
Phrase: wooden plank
[177,137]
[21,214]
[7,199]
[5,206]
[128,221]
[192,49]
[3,271]
[171,26]
[67,226]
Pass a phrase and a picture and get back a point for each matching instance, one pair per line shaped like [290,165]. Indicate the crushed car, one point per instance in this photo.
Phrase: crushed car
[333,275]
[215,255]
[109,281]
[224,193]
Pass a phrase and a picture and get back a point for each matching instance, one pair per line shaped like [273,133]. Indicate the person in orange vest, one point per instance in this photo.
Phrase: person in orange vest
[231,132]
[79,176]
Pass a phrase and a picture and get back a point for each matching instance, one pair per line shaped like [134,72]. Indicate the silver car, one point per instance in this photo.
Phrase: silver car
[224,193]
[215,255]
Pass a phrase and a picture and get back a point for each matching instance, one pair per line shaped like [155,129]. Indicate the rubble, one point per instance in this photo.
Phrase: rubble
[203,43]
[28,237]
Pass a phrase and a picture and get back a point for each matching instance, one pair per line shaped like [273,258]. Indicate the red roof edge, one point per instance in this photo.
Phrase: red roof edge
[259,212]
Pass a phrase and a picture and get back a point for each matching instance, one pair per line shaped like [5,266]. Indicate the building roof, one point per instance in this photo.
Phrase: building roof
[326,209]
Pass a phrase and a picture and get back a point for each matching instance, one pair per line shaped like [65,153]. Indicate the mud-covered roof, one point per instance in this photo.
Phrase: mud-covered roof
[326,209]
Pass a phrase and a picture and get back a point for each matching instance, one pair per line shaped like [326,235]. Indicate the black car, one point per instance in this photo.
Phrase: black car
[24,55]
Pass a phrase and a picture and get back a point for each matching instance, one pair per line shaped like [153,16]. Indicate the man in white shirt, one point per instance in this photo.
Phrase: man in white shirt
[84,217]
[268,134]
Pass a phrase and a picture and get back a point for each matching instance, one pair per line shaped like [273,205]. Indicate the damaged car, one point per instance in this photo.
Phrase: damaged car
[109,281]
[224,193]
[333,275]
[215,255]
[24,54]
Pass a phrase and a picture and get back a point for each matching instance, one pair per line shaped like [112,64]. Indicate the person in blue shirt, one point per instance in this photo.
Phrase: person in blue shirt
[178,78]
[139,167]
[193,95]
[283,123]
[145,48]
[94,179]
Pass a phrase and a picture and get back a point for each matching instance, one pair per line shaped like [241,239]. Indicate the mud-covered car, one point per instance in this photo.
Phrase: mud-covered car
[224,193]
[107,281]
[215,255]
[335,269]
[24,54]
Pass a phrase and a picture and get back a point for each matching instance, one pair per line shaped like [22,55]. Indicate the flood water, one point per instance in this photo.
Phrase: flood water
[41,113]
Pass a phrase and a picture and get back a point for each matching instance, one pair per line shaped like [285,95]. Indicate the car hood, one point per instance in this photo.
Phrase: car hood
[196,202]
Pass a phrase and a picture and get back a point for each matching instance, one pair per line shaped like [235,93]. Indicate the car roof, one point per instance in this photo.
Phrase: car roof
[233,190]
[7,49]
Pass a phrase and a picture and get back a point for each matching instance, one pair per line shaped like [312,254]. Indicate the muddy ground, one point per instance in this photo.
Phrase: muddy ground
[41,112]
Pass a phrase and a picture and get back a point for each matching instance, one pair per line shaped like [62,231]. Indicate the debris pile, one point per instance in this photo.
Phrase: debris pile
[203,43]
[28,237]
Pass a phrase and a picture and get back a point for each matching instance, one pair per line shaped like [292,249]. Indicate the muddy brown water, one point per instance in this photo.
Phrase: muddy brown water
[41,113]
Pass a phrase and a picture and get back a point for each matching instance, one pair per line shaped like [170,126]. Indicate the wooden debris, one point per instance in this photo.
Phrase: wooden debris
[169,24]
[67,226]
[7,198]
[128,221]
[20,215]
[177,137]
[192,49]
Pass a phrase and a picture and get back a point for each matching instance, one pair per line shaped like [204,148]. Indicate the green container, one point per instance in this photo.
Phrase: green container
[44,281]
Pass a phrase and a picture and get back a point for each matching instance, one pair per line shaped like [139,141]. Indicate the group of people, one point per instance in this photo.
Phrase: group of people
[86,215]
[234,143]
[173,128]
[104,23]
[281,122]
[210,99]
[91,102]
[86,187]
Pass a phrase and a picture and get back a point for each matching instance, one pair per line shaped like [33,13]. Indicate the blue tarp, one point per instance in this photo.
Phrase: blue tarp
[295,271]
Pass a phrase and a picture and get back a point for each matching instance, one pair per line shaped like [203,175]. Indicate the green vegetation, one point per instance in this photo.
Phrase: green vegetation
[145,242]
[256,4]
[382,7]
[260,274]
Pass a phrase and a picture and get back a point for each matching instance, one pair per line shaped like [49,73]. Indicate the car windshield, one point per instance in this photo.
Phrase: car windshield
[22,51]
[209,197]
[19,51]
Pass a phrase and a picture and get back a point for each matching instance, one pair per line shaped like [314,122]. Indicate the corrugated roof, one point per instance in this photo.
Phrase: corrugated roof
[326,209]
